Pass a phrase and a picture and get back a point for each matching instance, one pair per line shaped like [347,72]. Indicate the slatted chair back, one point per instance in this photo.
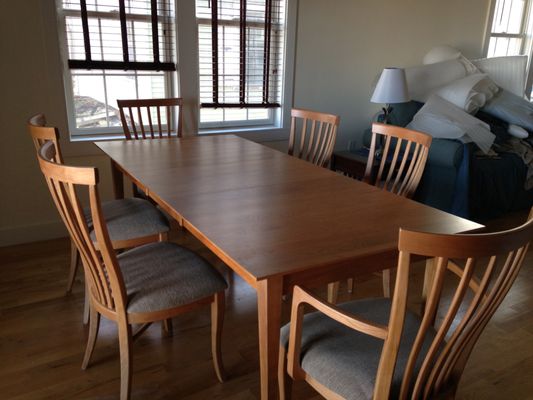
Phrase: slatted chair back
[479,270]
[151,118]
[472,275]
[313,135]
[40,134]
[105,283]
[402,158]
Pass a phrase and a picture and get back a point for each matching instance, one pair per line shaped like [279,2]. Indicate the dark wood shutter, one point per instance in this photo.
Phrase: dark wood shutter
[241,52]
[120,35]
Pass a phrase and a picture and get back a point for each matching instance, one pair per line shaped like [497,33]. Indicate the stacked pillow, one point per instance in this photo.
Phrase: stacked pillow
[457,81]
[452,90]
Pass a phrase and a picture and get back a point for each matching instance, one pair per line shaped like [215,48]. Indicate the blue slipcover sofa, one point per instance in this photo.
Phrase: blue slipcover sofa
[458,181]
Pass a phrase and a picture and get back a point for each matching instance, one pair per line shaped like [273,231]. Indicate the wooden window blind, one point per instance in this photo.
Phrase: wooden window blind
[240,52]
[120,34]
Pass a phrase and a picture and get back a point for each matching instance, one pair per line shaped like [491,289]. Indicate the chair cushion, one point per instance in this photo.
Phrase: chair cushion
[164,275]
[346,361]
[130,218]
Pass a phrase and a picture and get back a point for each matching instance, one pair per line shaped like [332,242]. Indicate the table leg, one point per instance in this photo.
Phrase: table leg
[269,293]
[429,276]
[118,181]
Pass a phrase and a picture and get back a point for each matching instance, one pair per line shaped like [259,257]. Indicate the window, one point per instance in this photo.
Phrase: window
[508,34]
[115,49]
[241,47]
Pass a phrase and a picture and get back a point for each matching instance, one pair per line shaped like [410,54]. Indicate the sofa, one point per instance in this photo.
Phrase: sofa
[459,181]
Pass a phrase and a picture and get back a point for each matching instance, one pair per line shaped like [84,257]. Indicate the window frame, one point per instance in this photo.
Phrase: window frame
[185,82]
[276,127]
[273,112]
[525,35]
[110,132]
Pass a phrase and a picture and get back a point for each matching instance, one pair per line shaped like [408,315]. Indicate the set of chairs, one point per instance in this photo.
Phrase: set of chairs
[372,348]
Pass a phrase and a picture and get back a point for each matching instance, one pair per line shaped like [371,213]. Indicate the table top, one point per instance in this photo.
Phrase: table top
[266,213]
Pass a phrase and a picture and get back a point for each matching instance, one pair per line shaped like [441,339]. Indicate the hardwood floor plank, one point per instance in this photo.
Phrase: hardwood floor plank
[42,340]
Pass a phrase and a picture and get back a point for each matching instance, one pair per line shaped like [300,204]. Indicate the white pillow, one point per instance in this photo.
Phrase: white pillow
[508,72]
[517,131]
[423,79]
[469,93]
[441,119]
[511,108]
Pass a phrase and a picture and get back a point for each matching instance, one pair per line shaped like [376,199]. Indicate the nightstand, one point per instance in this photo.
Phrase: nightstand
[350,163]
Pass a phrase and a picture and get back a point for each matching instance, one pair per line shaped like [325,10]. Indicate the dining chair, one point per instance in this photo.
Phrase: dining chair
[131,222]
[379,349]
[150,118]
[312,135]
[153,282]
[396,162]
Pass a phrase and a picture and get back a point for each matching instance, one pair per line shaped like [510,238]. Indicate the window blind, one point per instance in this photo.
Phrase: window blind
[240,52]
[120,34]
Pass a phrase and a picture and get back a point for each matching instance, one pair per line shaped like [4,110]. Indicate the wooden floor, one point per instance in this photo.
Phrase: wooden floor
[42,340]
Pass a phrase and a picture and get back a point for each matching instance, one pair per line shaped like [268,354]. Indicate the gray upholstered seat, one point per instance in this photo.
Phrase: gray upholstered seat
[164,275]
[345,360]
[131,218]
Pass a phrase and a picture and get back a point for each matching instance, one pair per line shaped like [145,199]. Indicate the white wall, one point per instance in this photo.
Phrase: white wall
[341,46]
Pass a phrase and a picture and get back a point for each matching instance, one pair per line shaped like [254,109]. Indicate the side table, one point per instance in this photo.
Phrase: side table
[350,163]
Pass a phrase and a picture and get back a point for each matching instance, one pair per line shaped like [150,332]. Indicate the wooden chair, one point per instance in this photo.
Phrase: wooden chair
[143,115]
[153,282]
[396,162]
[313,143]
[377,349]
[131,222]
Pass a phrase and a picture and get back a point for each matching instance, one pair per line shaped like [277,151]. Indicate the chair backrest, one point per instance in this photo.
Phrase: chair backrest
[40,134]
[402,157]
[311,142]
[481,269]
[105,282]
[150,118]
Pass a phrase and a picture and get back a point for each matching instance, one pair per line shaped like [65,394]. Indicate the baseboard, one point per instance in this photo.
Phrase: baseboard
[32,233]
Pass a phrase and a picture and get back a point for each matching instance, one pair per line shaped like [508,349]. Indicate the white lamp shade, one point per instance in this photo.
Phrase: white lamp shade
[391,87]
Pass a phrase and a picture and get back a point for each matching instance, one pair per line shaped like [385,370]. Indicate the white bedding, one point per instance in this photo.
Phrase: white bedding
[442,119]
[511,108]
[469,93]
[423,79]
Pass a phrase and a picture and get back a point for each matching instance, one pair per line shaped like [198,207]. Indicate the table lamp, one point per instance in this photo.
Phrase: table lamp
[391,89]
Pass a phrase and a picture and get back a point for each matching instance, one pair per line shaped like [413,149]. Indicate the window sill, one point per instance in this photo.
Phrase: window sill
[97,137]
[256,134]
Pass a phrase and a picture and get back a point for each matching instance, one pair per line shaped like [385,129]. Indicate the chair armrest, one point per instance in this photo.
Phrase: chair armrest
[302,297]
[446,153]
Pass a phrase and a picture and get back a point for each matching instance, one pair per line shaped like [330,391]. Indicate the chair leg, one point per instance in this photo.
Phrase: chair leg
[124,340]
[94,324]
[350,284]
[86,305]
[386,273]
[217,321]
[284,380]
[74,262]
[333,292]
[167,327]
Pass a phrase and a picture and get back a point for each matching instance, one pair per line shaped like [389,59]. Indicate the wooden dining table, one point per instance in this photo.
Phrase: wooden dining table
[276,220]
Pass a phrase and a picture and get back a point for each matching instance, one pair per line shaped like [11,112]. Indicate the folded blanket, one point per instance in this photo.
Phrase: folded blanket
[469,93]
[442,119]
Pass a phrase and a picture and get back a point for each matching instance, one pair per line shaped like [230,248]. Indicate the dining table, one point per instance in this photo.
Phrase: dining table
[276,220]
